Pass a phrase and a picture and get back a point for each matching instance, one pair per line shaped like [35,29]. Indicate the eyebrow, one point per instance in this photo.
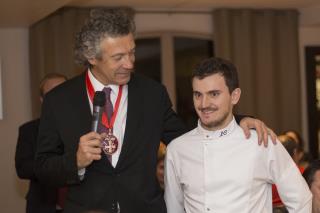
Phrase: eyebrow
[215,90]
[121,54]
[117,54]
[210,91]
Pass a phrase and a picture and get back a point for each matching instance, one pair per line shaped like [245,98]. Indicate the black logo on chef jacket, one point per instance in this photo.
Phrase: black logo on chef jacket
[223,133]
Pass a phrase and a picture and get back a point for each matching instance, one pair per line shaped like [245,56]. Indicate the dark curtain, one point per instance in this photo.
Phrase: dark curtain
[263,44]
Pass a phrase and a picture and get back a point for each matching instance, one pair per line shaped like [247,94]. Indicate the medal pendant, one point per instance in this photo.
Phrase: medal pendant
[110,144]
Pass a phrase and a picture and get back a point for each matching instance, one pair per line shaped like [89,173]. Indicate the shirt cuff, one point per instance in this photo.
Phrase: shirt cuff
[81,173]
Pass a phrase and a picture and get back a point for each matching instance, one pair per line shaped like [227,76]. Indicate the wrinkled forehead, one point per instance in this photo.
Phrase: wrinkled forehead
[119,43]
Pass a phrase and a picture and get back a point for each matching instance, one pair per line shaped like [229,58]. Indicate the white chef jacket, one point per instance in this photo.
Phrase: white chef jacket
[222,171]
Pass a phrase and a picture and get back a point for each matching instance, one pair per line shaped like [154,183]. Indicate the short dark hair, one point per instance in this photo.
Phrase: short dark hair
[47,77]
[310,171]
[221,66]
[102,23]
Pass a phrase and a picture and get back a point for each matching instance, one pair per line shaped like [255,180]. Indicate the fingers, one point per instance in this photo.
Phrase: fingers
[265,134]
[92,156]
[246,132]
[89,149]
[245,127]
[262,130]
[259,130]
[87,158]
[273,136]
[93,150]
[91,139]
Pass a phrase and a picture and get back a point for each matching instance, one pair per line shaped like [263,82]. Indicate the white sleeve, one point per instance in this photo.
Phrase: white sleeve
[293,190]
[173,193]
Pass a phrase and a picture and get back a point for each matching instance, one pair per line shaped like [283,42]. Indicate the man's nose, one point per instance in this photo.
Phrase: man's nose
[128,62]
[204,102]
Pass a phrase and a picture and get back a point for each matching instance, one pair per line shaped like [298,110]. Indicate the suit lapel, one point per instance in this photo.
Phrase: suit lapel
[134,117]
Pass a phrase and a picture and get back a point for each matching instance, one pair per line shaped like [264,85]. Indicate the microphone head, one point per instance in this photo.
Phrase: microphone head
[99,99]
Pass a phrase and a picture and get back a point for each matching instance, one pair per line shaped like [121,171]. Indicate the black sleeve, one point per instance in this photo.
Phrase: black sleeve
[172,125]
[24,157]
[53,166]
[240,117]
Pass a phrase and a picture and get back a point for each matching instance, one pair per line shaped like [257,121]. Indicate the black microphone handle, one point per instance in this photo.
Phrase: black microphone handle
[96,117]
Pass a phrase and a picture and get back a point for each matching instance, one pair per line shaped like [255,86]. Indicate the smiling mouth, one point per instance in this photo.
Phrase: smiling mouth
[124,73]
[208,110]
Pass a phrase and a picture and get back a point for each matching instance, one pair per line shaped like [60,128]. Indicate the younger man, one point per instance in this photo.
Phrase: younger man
[213,168]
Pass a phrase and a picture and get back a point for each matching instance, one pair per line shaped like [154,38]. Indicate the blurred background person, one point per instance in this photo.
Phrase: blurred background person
[40,198]
[312,176]
[292,148]
[302,156]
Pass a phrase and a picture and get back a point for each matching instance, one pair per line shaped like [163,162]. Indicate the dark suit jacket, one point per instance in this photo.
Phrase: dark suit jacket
[132,183]
[40,198]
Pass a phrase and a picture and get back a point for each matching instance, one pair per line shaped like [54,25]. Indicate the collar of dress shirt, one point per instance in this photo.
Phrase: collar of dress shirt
[98,86]
[209,134]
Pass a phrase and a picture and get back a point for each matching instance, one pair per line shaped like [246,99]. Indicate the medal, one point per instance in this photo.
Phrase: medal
[110,142]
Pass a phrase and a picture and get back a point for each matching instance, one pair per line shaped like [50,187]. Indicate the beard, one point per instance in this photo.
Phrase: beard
[215,123]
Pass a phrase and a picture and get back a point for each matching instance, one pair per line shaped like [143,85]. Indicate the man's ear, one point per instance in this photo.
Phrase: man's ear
[92,61]
[235,96]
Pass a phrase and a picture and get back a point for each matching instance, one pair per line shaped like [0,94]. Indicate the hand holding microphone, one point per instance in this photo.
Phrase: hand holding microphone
[89,148]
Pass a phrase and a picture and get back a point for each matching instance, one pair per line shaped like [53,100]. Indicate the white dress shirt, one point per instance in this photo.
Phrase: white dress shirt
[221,171]
[120,121]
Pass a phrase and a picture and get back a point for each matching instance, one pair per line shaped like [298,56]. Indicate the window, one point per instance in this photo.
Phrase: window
[187,53]
[169,58]
[148,57]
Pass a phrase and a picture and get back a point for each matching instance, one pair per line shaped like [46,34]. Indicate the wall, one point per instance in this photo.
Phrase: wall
[16,110]
[180,22]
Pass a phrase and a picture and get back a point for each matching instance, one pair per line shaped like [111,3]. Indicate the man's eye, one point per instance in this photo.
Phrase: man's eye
[214,94]
[197,95]
[117,58]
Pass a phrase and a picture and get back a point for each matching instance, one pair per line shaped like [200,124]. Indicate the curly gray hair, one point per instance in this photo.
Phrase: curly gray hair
[102,23]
